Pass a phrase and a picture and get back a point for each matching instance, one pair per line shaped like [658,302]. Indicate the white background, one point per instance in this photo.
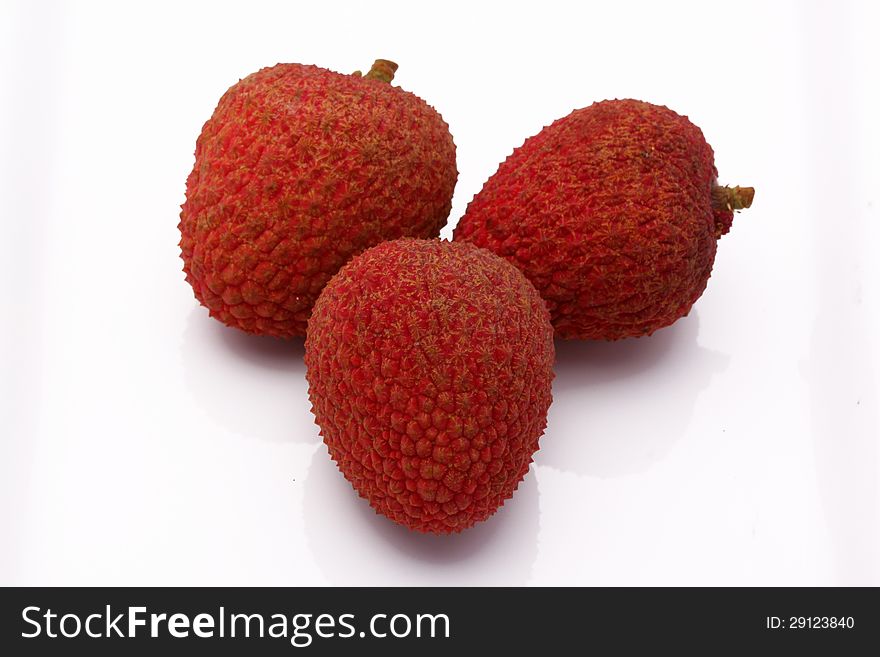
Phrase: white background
[144,443]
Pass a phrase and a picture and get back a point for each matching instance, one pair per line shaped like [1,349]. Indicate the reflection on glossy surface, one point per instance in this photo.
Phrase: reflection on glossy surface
[352,543]
[252,385]
[620,406]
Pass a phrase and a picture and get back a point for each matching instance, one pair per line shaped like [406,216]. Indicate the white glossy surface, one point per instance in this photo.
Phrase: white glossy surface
[143,443]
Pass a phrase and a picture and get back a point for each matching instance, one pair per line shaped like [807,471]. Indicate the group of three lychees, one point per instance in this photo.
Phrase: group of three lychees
[314,208]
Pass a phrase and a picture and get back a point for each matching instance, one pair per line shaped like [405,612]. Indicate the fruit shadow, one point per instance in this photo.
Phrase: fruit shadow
[350,541]
[251,385]
[619,407]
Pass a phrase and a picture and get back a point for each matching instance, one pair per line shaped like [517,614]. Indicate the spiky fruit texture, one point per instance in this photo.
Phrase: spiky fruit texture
[298,169]
[429,366]
[609,212]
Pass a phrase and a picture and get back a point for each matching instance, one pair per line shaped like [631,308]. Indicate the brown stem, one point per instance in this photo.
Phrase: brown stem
[383,69]
[732,198]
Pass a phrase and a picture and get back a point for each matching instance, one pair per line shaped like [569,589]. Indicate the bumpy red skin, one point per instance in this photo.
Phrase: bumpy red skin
[299,169]
[429,366]
[608,212]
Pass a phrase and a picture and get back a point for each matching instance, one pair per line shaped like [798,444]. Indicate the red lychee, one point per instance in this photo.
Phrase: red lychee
[429,366]
[613,212]
[299,169]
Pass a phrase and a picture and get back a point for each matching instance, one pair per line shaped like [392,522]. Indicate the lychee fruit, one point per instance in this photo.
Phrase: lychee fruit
[298,169]
[613,212]
[429,366]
